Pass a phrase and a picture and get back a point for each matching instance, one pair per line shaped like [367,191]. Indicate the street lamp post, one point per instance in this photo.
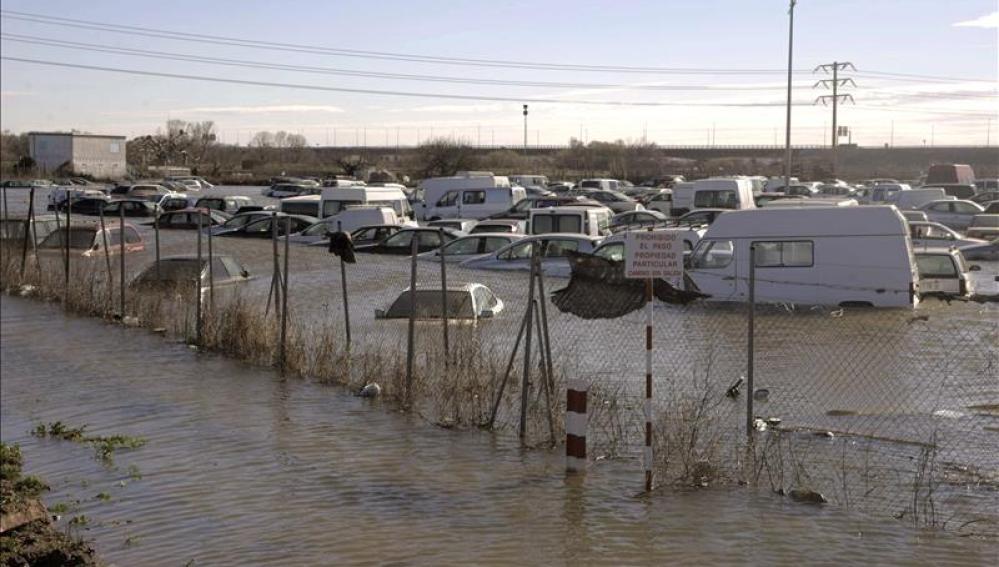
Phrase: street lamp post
[525,129]
[787,132]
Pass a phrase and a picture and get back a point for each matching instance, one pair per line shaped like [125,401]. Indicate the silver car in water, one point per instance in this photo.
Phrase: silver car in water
[554,249]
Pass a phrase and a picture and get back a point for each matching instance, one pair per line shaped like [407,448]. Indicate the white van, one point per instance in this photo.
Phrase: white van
[683,198]
[916,198]
[720,193]
[304,205]
[529,180]
[337,199]
[473,197]
[812,256]
[354,217]
[886,193]
[589,221]
[602,184]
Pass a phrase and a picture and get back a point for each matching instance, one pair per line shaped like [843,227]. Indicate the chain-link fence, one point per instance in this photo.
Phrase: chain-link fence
[892,412]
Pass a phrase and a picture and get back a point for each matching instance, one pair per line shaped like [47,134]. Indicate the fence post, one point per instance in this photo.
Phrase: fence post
[121,259]
[447,349]
[34,233]
[65,266]
[6,209]
[107,259]
[506,374]
[343,286]
[211,262]
[545,366]
[751,332]
[28,224]
[156,231]
[648,384]
[197,292]
[413,250]
[575,426]
[525,382]
[284,296]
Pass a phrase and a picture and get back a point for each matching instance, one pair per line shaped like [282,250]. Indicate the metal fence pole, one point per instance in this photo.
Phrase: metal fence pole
[413,250]
[211,264]
[525,381]
[121,259]
[546,366]
[65,266]
[343,287]
[444,312]
[6,208]
[648,384]
[509,367]
[751,332]
[34,232]
[28,223]
[284,296]
[197,292]
[156,231]
[107,258]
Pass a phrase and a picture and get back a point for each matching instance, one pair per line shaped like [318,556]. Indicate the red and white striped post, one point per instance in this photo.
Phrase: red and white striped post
[575,426]
[648,386]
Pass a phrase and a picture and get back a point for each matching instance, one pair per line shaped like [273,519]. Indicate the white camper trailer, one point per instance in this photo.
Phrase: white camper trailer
[812,256]
[468,197]
[337,199]
[721,193]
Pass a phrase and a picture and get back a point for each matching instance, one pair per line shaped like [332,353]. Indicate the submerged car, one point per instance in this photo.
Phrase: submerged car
[130,208]
[178,271]
[470,246]
[503,226]
[263,227]
[943,273]
[637,219]
[86,206]
[553,252]
[14,229]
[956,214]
[935,234]
[984,226]
[240,220]
[89,240]
[401,242]
[471,301]
[188,218]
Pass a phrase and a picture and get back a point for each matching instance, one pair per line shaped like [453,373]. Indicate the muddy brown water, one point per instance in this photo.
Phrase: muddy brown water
[242,467]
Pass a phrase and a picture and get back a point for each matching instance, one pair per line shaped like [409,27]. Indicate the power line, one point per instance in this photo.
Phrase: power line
[100,48]
[393,56]
[392,93]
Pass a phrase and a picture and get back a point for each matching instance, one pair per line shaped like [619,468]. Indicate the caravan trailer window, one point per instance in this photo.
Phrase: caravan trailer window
[795,254]
[449,199]
[722,199]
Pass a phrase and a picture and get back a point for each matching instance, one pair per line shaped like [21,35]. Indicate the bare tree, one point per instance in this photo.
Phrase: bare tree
[443,157]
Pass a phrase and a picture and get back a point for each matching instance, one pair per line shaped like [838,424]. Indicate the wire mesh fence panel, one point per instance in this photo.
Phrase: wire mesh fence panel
[892,412]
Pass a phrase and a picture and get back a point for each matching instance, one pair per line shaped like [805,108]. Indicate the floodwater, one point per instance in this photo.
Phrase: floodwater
[244,468]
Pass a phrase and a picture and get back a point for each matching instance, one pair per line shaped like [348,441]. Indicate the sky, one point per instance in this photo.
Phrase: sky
[710,72]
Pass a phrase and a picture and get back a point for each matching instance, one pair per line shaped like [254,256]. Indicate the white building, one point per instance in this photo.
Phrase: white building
[89,154]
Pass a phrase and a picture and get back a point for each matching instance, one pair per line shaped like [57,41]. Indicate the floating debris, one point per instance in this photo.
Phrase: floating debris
[806,496]
[370,390]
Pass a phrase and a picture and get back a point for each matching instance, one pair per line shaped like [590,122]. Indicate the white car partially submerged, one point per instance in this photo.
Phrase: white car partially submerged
[469,301]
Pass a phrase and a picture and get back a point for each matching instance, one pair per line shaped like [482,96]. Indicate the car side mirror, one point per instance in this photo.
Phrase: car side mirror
[975,268]
[379,313]
[486,314]
[244,273]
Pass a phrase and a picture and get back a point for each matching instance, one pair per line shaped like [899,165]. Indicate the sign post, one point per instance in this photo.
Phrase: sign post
[651,255]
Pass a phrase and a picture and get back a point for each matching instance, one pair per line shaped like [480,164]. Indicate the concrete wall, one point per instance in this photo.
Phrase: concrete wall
[99,156]
[102,157]
[50,150]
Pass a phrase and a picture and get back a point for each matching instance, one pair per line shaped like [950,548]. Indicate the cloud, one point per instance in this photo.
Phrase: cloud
[986,21]
[283,108]
[454,108]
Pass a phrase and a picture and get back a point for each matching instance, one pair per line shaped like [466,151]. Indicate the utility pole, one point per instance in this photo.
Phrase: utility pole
[790,59]
[525,129]
[835,97]
[892,137]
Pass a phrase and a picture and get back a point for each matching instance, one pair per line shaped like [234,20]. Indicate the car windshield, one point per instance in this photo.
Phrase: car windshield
[173,270]
[428,304]
[936,266]
[318,229]
[79,239]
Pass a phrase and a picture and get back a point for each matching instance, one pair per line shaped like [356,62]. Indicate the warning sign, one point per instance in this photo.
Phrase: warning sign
[654,254]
